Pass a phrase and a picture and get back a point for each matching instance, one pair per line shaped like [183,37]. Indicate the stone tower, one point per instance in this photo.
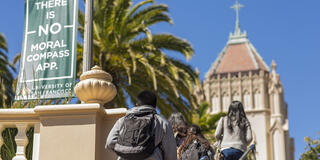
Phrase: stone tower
[240,73]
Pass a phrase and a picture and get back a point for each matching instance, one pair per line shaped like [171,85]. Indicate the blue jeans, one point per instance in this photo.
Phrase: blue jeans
[232,154]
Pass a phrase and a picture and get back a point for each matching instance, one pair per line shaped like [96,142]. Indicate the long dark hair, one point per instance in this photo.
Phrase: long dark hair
[236,110]
[194,132]
[178,123]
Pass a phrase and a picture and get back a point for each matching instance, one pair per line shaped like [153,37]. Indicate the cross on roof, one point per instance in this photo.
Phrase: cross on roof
[237,7]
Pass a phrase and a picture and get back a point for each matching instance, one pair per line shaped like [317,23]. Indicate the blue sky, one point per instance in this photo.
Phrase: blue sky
[287,31]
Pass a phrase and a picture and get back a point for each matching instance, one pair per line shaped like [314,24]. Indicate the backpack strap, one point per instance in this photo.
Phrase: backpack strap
[153,124]
[160,144]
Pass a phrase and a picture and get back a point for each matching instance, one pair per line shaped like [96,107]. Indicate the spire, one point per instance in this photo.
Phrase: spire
[237,7]
[237,31]
[274,76]
[274,66]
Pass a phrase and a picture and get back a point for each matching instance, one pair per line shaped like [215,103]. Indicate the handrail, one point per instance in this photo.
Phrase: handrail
[10,116]
[245,154]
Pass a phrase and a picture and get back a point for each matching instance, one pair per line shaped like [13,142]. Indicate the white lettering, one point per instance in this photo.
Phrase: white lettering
[44,30]
[49,44]
[42,46]
[34,47]
[50,14]
[43,55]
[53,66]
[49,54]
[66,53]
[35,57]
[51,4]
[29,58]
[55,55]
[54,29]
[53,26]
[39,68]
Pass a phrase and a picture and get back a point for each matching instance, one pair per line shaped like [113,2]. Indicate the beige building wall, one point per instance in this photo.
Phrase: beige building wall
[75,132]
[261,92]
[259,122]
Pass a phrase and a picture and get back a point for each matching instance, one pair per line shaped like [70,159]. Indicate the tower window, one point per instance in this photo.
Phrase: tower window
[225,102]
[215,104]
[246,101]
[257,100]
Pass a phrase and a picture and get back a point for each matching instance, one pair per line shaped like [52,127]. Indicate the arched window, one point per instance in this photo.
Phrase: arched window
[225,102]
[246,100]
[257,100]
[215,104]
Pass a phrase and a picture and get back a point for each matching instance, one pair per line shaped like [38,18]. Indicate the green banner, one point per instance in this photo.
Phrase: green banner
[48,57]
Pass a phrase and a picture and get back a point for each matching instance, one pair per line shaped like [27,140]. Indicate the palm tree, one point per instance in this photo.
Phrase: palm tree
[206,121]
[124,46]
[6,77]
[7,150]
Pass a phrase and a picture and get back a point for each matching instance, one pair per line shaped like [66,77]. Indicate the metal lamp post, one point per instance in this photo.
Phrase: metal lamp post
[87,49]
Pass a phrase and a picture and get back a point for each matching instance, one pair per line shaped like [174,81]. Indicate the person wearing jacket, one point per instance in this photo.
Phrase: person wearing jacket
[164,138]
[234,132]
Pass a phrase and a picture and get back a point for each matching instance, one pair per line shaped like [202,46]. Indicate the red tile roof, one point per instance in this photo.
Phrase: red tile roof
[237,57]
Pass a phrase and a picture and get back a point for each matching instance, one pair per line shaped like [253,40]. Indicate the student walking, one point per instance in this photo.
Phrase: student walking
[143,134]
[195,146]
[234,132]
[179,126]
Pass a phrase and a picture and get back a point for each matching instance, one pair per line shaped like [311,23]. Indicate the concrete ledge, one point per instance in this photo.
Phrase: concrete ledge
[115,113]
[257,111]
[67,108]
[80,109]
[11,116]
[15,111]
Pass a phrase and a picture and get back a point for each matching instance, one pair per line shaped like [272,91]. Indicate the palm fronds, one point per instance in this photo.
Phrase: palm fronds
[125,47]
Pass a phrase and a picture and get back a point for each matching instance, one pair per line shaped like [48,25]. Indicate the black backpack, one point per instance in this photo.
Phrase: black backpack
[136,139]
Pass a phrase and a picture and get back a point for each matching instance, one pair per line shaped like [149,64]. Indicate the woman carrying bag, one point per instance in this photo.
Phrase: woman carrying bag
[233,132]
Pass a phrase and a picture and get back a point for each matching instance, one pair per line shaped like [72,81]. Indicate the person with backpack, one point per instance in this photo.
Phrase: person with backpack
[234,132]
[143,134]
[195,146]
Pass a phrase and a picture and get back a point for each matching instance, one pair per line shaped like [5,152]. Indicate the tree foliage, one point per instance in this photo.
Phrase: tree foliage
[8,149]
[6,76]
[312,150]
[206,121]
[124,46]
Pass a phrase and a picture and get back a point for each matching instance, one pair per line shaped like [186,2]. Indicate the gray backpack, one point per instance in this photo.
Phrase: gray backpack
[136,140]
[196,151]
